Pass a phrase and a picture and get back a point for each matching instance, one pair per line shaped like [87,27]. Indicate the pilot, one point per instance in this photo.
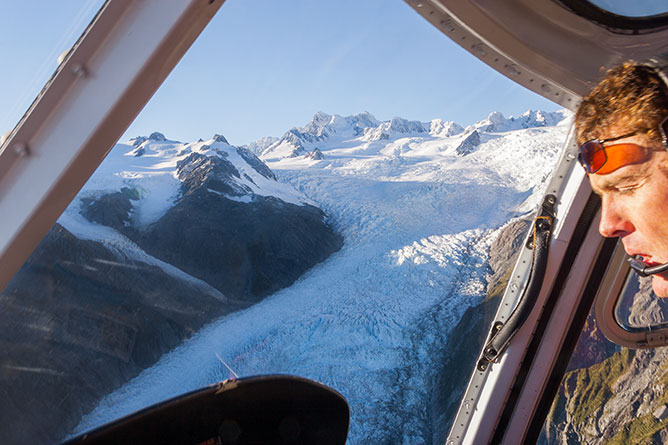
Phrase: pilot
[621,128]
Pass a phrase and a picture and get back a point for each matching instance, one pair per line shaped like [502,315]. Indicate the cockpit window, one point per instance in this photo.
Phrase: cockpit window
[640,8]
[357,225]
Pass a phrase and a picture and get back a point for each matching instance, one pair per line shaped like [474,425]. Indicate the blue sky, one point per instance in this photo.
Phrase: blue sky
[264,66]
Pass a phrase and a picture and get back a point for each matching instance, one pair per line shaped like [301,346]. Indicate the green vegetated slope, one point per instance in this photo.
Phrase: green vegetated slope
[620,400]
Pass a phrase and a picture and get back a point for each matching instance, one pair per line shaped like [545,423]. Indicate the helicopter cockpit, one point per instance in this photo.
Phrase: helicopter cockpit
[448,281]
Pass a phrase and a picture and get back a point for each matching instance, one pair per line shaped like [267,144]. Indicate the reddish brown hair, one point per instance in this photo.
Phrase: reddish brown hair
[630,98]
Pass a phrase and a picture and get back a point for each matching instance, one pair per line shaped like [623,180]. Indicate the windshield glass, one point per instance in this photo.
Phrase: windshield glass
[33,36]
[335,191]
[641,8]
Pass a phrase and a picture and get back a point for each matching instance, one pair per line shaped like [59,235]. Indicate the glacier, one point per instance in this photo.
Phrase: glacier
[417,219]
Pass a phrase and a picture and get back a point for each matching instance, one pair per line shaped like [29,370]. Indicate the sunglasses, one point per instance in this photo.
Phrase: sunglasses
[595,157]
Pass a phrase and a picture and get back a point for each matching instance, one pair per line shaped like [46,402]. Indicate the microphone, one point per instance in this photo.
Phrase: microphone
[644,270]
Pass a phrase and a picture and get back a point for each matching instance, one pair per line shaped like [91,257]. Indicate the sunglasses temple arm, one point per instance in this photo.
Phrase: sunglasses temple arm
[663,129]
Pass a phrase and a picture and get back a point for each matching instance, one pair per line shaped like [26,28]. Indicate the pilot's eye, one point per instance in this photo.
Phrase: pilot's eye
[627,189]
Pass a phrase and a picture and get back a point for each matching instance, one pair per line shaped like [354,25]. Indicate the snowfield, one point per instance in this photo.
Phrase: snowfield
[418,207]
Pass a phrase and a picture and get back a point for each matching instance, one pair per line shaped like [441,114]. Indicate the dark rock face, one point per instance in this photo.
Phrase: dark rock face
[265,246]
[316,155]
[74,306]
[592,347]
[469,144]
[214,173]
[266,243]
[503,253]
[113,210]
[256,163]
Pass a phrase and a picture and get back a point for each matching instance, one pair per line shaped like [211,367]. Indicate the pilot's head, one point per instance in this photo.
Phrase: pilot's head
[621,129]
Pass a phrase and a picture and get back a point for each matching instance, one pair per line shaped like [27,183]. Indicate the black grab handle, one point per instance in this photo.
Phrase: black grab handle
[502,333]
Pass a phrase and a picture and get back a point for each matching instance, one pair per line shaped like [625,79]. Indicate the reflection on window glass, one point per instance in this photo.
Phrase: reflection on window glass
[638,8]
[638,307]
[33,35]
[349,246]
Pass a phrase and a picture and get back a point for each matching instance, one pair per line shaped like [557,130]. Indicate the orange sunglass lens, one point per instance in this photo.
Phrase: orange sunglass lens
[592,156]
[619,155]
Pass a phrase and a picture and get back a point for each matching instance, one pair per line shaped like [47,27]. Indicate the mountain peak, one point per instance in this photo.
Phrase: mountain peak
[395,126]
[321,117]
[318,125]
[440,128]
[365,114]
[220,138]
[156,136]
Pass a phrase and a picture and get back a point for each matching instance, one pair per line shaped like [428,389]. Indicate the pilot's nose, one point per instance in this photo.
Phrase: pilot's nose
[614,220]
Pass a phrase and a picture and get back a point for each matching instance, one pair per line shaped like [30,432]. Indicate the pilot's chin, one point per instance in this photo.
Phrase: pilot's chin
[660,285]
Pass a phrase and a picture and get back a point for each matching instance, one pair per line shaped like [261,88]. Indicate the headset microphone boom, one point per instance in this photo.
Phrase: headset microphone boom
[644,270]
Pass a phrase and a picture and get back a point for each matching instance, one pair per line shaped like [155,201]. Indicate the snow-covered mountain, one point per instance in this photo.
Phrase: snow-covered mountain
[335,129]
[419,205]
[496,122]
[157,168]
